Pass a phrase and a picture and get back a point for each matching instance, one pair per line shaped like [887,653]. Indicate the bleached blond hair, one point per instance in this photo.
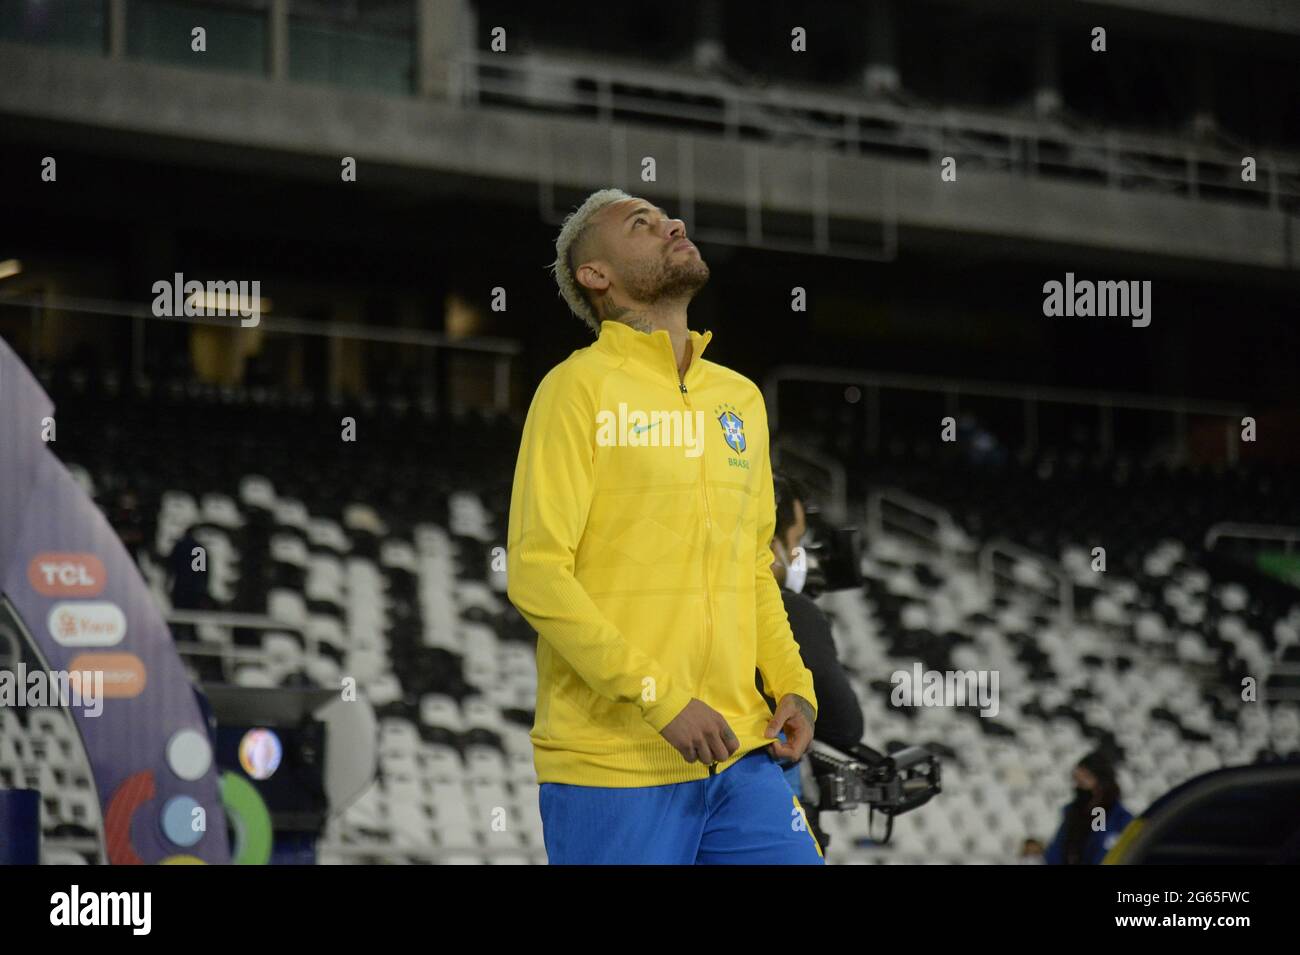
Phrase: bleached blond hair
[571,232]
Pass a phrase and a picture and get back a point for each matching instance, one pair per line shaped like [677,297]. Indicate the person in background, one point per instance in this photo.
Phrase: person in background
[1085,835]
[839,719]
[188,587]
[1031,852]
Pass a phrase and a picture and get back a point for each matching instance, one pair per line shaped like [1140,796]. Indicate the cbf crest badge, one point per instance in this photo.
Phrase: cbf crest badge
[733,428]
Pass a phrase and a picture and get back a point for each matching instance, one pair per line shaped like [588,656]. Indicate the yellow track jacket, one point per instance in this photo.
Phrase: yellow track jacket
[640,520]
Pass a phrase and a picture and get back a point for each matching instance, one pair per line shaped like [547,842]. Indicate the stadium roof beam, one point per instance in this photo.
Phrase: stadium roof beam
[1270,16]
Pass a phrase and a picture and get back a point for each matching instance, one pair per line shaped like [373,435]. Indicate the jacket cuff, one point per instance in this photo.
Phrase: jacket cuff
[803,689]
[665,709]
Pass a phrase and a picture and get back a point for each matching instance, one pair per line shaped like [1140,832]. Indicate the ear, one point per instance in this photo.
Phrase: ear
[591,275]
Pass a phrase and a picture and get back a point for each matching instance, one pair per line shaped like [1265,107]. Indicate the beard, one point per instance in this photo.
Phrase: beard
[666,278]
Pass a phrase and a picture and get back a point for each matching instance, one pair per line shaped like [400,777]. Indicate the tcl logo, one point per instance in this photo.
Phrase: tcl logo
[66,575]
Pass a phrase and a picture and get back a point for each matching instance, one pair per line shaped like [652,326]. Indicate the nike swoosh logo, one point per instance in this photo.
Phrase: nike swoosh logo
[638,429]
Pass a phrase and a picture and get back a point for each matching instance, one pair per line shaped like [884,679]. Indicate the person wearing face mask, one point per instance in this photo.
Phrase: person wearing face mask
[1078,841]
[839,716]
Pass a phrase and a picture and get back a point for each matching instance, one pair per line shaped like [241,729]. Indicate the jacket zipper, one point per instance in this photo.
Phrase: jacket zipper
[708,530]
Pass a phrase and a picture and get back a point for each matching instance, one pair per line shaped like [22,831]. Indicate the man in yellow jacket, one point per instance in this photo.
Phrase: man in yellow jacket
[640,519]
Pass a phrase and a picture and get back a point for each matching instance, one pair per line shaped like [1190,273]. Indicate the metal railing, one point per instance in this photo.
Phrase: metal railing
[1106,403]
[828,123]
[890,510]
[1261,533]
[841,121]
[997,553]
[753,235]
[225,651]
[826,477]
[1030,147]
[1256,532]
[502,350]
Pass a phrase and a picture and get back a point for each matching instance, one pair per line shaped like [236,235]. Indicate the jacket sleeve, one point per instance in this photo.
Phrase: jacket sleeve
[778,655]
[549,503]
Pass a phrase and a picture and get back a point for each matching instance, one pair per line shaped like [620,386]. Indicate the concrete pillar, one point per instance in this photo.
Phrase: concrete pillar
[709,49]
[880,76]
[117,29]
[1047,75]
[1204,121]
[277,40]
[346,367]
[445,32]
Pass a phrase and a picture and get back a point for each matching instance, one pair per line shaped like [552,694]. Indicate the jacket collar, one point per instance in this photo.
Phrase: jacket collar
[653,351]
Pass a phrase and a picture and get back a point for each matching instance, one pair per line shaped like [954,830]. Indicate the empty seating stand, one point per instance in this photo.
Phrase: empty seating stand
[372,559]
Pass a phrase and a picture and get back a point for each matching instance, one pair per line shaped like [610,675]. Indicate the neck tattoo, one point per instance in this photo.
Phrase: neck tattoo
[621,313]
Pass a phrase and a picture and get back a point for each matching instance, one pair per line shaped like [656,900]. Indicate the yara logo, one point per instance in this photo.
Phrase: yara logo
[193,298]
[655,429]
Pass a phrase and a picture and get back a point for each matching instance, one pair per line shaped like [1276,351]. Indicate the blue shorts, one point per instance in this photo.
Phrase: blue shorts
[745,815]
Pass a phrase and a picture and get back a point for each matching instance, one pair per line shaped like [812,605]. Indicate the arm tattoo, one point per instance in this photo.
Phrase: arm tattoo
[806,709]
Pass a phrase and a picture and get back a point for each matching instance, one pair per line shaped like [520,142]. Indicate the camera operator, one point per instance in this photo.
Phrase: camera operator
[839,715]
[843,772]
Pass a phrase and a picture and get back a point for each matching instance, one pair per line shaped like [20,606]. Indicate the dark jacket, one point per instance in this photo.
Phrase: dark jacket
[839,714]
[1097,844]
